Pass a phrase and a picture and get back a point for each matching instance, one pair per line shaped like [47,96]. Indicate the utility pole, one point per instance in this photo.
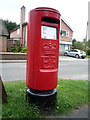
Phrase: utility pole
[88,20]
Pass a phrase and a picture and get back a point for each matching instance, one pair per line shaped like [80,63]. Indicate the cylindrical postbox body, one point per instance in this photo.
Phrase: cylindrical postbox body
[43,48]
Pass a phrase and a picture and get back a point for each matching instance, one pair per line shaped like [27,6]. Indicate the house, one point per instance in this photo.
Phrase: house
[66,33]
[19,33]
[15,35]
[3,36]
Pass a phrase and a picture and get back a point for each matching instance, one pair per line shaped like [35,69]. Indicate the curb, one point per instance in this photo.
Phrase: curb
[12,61]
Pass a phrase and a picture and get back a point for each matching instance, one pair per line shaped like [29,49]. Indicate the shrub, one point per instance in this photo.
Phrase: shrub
[88,52]
[17,48]
[14,49]
[23,50]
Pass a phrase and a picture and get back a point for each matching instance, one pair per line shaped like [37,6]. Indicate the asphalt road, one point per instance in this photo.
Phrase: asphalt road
[69,67]
[72,68]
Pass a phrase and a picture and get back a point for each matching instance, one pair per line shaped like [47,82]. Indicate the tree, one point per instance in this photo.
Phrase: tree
[85,43]
[89,43]
[10,26]
[84,40]
[80,45]
[73,42]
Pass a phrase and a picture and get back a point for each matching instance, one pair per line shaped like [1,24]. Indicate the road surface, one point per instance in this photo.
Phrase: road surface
[73,68]
[69,68]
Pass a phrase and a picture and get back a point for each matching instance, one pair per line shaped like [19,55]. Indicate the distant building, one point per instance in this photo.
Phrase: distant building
[15,34]
[66,34]
[3,36]
[20,33]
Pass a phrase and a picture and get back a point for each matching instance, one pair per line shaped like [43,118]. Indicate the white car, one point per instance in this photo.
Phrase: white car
[75,53]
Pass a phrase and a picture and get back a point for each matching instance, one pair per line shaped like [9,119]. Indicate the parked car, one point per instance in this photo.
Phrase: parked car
[75,53]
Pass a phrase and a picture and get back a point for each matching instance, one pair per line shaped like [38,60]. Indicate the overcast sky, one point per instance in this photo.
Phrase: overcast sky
[75,12]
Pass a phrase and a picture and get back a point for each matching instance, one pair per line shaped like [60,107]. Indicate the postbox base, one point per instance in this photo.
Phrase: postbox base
[47,99]
[41,93]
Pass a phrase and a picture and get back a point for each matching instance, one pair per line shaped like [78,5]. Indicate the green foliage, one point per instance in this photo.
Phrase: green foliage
[10,25]
[70,94]
[80,45]
[73,41]
[23,50]
[18,48]
[88,52]
[17,107]
[89,44]
[15,49]
[18,43]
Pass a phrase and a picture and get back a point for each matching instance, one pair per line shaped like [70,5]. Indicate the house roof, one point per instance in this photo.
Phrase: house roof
[15,29]
[19,27]
[3,29]
[67,24]
[61,19]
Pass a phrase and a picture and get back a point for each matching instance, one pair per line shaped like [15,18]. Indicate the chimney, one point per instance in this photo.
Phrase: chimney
[22,20]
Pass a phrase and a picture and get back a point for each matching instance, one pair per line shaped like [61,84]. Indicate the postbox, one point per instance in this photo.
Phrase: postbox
[42,49]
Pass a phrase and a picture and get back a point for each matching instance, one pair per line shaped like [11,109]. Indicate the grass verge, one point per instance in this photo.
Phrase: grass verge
[88,56]
[70,94]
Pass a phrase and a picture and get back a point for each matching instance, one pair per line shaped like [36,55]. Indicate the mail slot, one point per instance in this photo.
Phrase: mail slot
[43,49]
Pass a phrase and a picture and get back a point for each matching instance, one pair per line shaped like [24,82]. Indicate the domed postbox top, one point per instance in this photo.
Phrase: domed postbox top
[47,9]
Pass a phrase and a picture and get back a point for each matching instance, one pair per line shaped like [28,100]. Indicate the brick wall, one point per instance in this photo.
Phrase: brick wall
[15,34]
[65,27]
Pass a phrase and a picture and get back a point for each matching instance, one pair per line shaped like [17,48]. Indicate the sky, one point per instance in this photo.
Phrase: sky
[75,12]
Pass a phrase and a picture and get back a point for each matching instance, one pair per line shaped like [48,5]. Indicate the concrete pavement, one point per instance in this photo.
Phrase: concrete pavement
[80,112]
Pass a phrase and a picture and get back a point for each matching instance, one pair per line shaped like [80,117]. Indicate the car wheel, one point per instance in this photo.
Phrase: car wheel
[83,57]
[65,54]
[77,56]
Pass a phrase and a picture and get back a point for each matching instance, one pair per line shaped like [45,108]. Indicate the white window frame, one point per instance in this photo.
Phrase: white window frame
[67,33]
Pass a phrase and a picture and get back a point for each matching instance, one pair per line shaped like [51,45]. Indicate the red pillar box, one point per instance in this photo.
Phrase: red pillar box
[43,49]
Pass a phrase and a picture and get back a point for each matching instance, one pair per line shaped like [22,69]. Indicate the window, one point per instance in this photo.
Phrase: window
[71,51]
[75,51]
[66,47]
[61,47]
[64,33]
